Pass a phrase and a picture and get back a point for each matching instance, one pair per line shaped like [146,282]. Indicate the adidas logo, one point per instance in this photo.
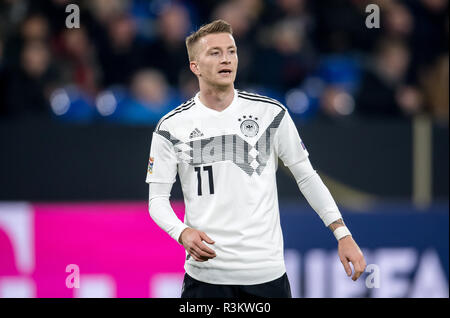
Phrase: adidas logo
[195,133]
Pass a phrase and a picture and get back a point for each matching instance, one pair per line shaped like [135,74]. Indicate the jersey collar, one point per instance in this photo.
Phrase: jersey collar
[216,112]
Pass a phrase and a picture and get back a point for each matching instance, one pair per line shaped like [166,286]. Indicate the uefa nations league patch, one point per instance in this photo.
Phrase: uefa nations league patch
[150,165]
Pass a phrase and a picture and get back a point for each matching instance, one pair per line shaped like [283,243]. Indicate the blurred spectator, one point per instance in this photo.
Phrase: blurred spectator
[54,12]
[430,35]
[291,57]
[168,52]
[282,9]
[33,28]
[188,86]
[304,53]
[383,91]
[340,70]
[241,15]
[122,55]
[340,76]
[70,104]
[336,101]
[143,15]
[151,98]
[77,60]
[28,87]
[104,11]
[339,26]
[150,88]
[12,14]
[253,8]
[435,84]
[398,20]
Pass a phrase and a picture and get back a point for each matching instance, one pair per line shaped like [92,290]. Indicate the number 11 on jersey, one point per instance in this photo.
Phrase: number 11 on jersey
[210,178]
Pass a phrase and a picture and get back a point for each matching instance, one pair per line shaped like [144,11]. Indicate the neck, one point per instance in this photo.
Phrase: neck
[216,98]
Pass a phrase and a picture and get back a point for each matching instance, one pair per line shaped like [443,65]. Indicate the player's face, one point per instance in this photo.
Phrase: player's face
[217,59]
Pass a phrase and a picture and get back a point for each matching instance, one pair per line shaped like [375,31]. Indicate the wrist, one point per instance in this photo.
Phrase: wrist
[341,232]
[181,235]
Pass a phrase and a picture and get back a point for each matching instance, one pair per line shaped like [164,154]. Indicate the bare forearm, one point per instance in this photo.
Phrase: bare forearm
[336,224]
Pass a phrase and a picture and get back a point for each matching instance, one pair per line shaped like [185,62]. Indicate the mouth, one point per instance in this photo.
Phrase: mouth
[225,71]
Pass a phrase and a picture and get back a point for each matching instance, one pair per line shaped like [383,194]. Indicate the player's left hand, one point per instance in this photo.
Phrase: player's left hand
[349,251]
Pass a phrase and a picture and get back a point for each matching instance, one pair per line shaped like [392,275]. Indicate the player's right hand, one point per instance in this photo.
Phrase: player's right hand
[192,242]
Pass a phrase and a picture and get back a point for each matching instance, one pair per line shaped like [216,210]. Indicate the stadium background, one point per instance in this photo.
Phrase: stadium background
[78,107]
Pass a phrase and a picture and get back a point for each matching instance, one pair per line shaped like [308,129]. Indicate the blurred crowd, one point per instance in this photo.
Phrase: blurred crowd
[127,62]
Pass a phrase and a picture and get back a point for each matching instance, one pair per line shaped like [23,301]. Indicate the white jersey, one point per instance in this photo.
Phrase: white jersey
[227,164]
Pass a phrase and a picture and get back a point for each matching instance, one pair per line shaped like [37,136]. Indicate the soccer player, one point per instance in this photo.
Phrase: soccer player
[224,144]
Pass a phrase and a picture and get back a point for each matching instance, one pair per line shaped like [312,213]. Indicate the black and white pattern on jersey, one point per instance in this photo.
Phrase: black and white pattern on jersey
[228,148]
[179,109]
[259,98]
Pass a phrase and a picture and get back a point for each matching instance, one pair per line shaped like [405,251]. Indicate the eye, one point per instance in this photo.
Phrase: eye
[214,53]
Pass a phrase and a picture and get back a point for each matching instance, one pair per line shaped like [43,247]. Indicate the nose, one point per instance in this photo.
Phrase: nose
[225,59]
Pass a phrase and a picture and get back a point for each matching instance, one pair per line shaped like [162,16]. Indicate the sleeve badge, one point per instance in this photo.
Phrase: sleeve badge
[150,165]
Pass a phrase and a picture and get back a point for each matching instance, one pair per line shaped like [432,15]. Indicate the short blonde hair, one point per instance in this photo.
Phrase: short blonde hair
[217,26]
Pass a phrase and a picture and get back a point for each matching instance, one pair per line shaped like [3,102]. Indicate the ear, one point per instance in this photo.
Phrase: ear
[193,65]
